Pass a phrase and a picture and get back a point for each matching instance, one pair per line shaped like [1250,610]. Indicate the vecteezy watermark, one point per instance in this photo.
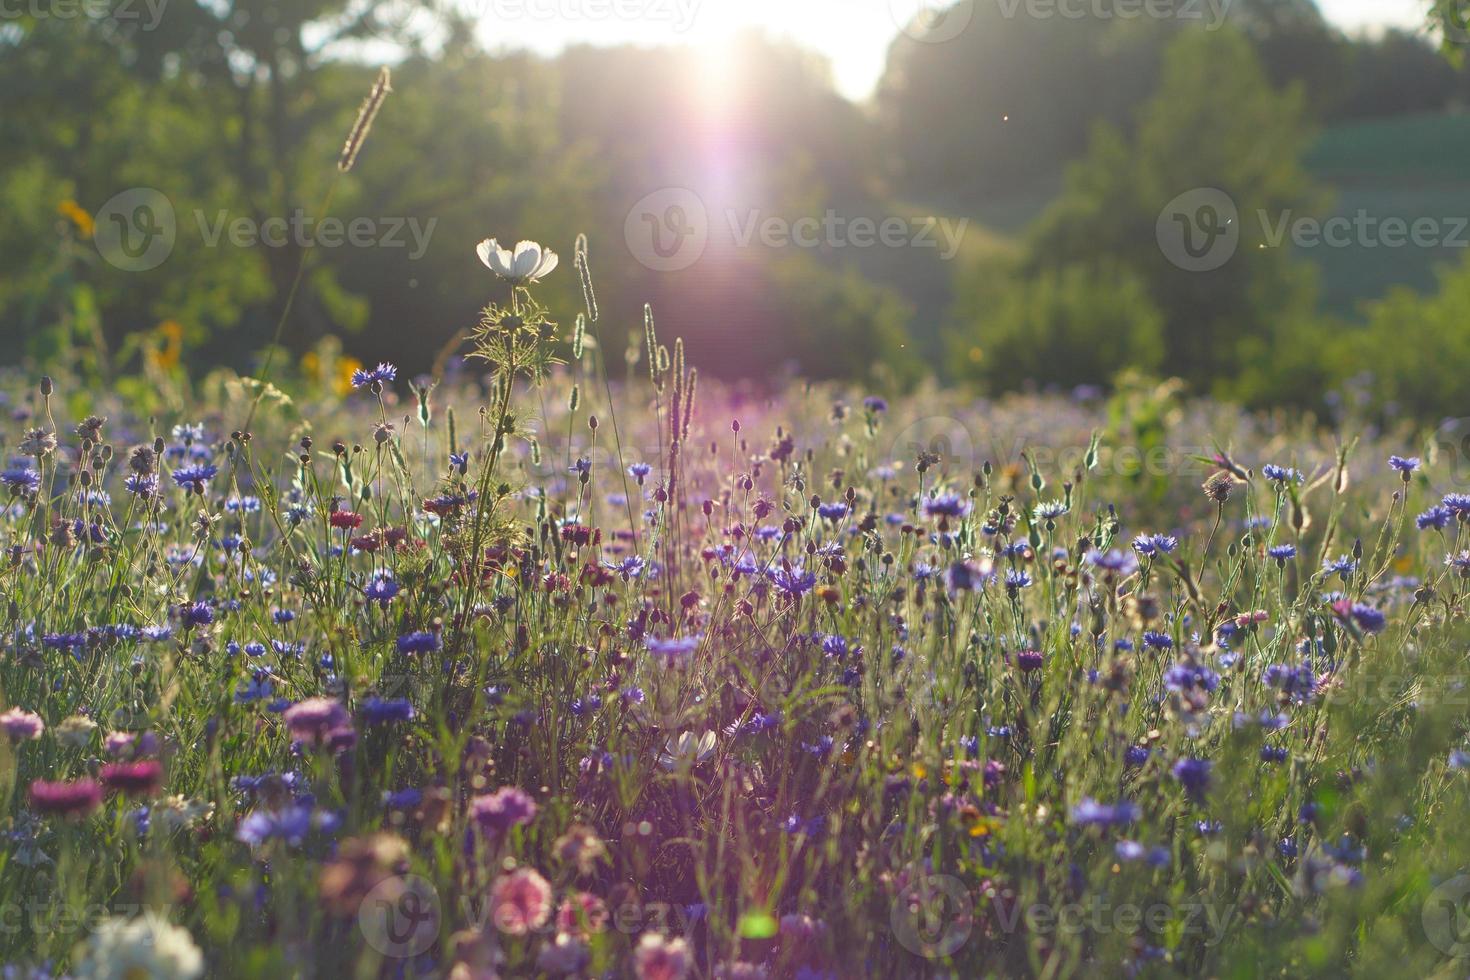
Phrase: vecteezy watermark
[943,443]
[1199,231]
[55,918]
[678,14]
[932,21]
[400,916]
[670,230]
[145,13]
[138,229]
[1211,12]
[1452,451]
[303,231]
[1446,917]
[933,916]
[135,230]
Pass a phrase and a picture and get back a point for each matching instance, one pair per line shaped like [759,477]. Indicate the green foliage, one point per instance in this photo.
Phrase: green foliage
[1077,324]
[1214,123]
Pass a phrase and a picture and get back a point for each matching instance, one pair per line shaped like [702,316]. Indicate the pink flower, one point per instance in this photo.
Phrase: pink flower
[581,914]
[503,809]
[520,902]
[133,778]
[21,725]
[658,958]
[75,799]
[317,721]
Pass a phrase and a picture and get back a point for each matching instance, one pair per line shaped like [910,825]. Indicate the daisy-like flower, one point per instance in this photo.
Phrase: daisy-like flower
[528,263]
[141,947]
[380,375]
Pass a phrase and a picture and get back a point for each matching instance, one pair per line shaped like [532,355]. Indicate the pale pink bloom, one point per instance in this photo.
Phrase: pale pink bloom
[520,902]
[658,958]
[21,725]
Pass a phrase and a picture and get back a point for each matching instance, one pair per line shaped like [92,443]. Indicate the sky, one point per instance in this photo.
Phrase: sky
[853,34]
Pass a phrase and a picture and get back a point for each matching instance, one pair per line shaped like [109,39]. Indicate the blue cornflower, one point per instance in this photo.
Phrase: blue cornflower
[418,642]
[1344,566]
[630,567]
[196,614]
[460,461]
[1283,553]
[875,404]
[21,479]
[1091,813]
[141,486]
[1193,775]
[1050,510]
[832,512]
[1281,474]
[1369,619]
[290,824]
[1460,562]
[1438,517]
[382,589]
[947,505]
[1150,545]
[1404,464]
[794,582]
[673,652]
[1457,502]
[379,711]
[1186,676]
[381,374]
[1157,640]
[1017,580]
[582,467]
[195,477]
[639,470]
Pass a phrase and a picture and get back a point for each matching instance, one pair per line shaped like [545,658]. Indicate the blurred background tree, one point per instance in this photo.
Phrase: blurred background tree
[1058,140]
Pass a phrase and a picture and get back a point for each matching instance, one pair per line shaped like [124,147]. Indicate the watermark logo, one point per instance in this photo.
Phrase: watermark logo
[1452,451]
[145,13]
[668,230]
[943,442]
[932,21]
[933,917]
[136,230]
[1446,917]
[1199,230]
[400,917]
[1454,20]
[1211,12]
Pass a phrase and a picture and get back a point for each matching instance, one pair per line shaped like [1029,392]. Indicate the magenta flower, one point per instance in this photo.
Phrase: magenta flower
[74,799]
[21,725]
[317,721]
[501,810]
[520,902]
[141,778]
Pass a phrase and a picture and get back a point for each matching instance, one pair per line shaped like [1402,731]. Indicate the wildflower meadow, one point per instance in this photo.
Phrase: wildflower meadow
[564,659]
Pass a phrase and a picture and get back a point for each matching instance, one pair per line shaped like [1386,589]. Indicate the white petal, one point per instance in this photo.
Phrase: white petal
[528,257]
[549,261]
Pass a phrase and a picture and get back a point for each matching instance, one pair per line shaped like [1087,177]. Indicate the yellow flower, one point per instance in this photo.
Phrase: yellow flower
[167,356]
[78,216]
[346,366]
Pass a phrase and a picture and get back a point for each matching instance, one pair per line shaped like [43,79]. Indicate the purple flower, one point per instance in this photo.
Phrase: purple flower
[379,711]
[1150,545]
[314,720]
[1283,553]
[381,374]
[1157,640]
[1091,813]
[21,479]
[1438,517]
[947,505]
[1404,464]
[1193,775]
[498,812]
[418,642]
[673,652]
[1281,474]
[1029,660]
[290,824]
[195,477]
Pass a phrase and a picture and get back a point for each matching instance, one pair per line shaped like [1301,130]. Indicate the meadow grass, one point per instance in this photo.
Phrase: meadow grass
[539,672]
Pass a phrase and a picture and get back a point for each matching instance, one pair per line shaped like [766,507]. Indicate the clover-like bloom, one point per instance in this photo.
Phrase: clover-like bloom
[528,263]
